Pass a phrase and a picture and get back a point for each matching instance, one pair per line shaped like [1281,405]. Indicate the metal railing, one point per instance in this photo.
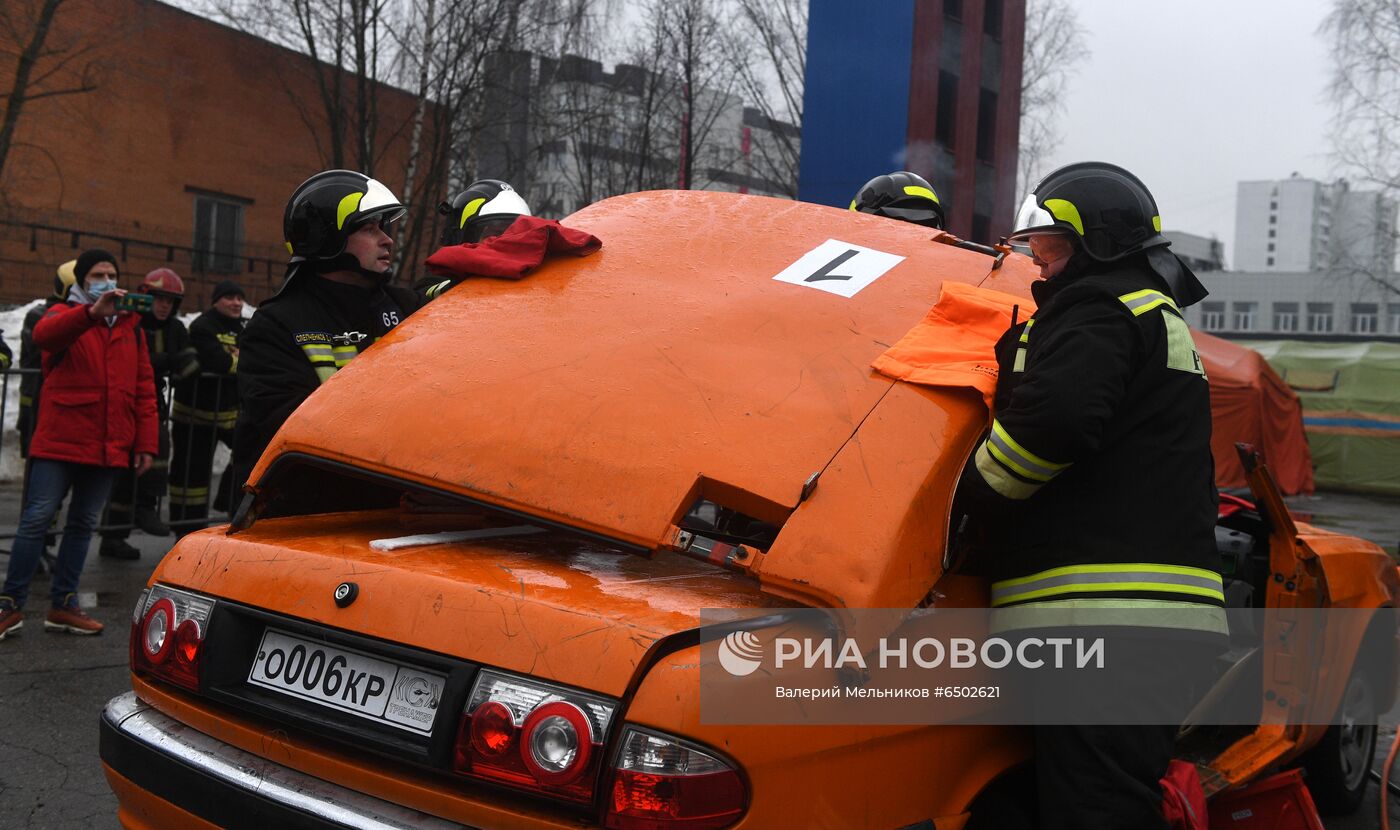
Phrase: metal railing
[165,401]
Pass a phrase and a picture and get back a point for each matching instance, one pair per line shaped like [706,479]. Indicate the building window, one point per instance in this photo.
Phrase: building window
[218,234]
[1285,316]
[1319,318]
[1270,262]
[1212,316]
[1365,318]
[946,121]
[991,18]
[1273,220]
[1273,205]
[1271,247]
[953,9]
[1244,316]
[1393,312]
[987,126]
[1272,233]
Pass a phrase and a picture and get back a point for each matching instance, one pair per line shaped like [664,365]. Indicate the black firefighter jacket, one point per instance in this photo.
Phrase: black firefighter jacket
[211,401]
[297,341]
[1097,481]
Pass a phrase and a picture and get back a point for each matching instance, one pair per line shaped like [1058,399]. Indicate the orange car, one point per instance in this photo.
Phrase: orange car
[466,588]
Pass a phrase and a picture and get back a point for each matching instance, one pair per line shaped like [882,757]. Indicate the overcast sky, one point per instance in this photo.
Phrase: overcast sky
[1196,95]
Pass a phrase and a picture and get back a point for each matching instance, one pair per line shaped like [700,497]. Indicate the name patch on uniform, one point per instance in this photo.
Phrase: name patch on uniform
[839,267]
[305,337]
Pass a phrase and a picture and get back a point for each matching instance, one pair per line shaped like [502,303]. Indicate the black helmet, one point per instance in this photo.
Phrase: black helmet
[1104,207]
[485,209]
[901,195]
[330,206]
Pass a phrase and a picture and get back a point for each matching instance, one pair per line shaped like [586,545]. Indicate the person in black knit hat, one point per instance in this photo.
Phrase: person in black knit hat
[205,410]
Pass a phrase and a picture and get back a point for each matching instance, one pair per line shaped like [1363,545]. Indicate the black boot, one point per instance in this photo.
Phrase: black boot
[148,519]
[118,549]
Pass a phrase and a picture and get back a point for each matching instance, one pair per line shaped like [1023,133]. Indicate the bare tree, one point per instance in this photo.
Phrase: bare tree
[1364,36]
[46,68]
[1055,46]
[695,35]
[771,62]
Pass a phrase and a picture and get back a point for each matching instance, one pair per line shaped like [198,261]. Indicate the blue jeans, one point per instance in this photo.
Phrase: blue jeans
[49,482]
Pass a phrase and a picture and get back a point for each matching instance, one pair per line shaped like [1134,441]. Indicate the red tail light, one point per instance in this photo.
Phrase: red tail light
[661,782]
[533,735]
[167,634]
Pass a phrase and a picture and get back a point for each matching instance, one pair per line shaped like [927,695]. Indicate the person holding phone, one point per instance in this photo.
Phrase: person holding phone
[97,418]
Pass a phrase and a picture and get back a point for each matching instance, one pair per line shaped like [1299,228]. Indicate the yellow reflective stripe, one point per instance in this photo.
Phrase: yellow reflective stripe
[1139,613]
[915,190]
[26,400]
[1021,459]
[999,479]
[316,350]
[346,207]
[434,291]
[1020,364]
[344,354]
[186,414]
[1115,567]
[323,373]
[469,210]
[233,366]
[1077,588]
[1065,211]
[1141,302]
[1157,224]
[853,205]
[1026,332]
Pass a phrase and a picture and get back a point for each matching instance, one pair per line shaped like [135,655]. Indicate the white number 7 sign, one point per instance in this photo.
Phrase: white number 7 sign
[839,267]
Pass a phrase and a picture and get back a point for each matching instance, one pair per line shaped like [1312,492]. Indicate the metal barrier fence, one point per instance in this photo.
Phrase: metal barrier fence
[198,433]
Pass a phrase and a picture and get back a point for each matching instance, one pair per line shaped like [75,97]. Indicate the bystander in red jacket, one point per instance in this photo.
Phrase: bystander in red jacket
[99,404]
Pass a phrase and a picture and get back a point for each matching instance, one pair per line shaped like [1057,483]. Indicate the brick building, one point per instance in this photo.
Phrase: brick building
[183,155]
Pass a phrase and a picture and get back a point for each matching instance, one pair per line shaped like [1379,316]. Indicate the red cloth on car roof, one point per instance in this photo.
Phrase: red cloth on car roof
[516,252]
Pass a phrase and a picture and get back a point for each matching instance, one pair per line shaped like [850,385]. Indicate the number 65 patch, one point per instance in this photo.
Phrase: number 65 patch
[839,267]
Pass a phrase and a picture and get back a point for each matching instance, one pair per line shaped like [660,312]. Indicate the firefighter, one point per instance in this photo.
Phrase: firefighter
[206,409]
[901,195]
[335,302]
[174,361]
[484,210]
[32,380]
[1092,499]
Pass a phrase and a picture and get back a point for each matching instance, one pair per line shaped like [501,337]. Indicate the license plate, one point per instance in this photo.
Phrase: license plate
[348,680]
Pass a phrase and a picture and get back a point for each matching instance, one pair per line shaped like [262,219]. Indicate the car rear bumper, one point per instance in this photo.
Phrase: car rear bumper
[228,787]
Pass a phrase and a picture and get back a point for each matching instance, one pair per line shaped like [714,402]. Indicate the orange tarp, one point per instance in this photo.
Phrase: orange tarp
[1250,403]
[955,343]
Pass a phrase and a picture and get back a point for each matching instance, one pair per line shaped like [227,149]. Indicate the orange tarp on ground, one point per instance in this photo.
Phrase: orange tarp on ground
[1249,402]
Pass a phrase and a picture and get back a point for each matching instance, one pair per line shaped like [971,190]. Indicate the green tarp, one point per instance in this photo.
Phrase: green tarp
[1351,409]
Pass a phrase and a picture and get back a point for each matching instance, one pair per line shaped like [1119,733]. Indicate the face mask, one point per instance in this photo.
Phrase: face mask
[97,289]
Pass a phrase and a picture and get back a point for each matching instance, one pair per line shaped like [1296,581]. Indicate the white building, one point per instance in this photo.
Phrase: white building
[1308,305]
[1201,253]
[1298,225]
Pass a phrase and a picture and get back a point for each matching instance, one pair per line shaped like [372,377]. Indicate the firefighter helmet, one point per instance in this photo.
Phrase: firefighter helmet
[1104,208]
[330,206]
[485,209]
[164,282]
[900,195]
[64,278]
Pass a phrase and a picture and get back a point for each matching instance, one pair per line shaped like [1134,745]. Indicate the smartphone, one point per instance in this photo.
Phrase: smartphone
[136,302]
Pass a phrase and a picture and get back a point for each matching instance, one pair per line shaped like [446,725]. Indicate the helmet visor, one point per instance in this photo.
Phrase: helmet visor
[1031,220]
